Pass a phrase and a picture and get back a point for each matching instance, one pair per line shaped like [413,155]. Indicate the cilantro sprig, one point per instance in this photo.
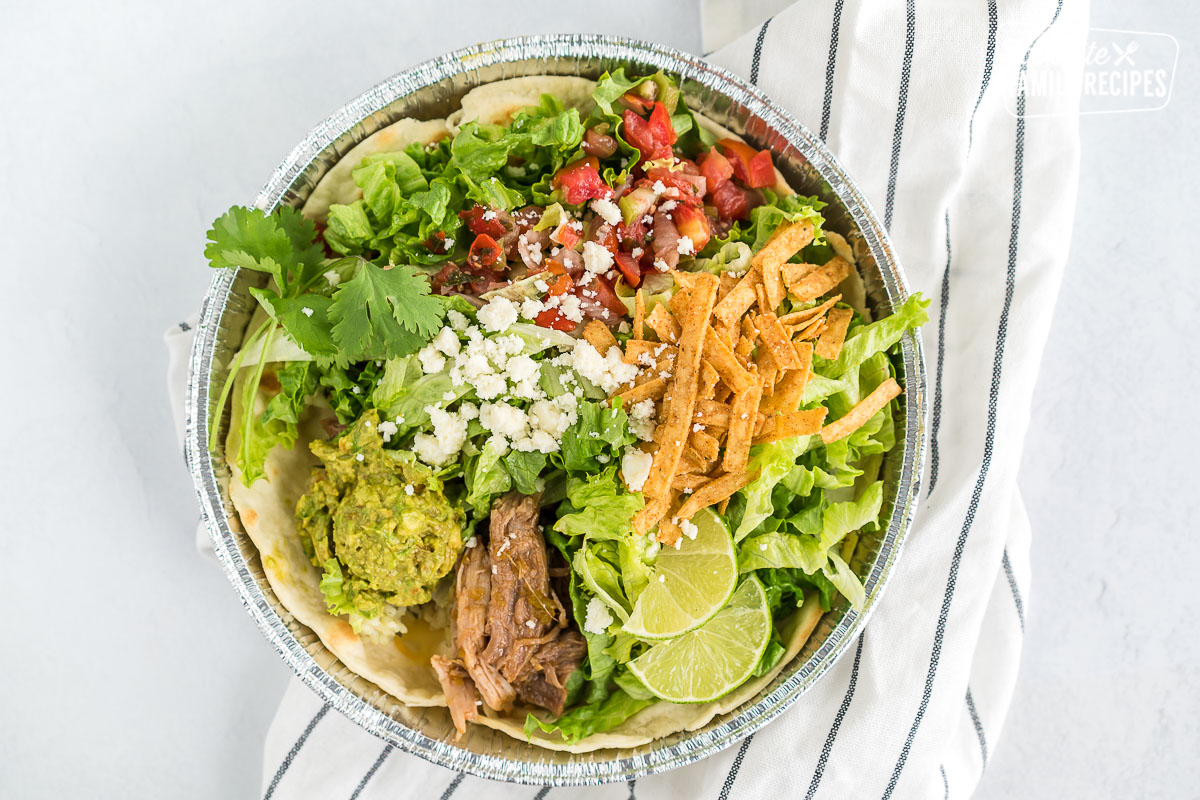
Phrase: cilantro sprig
[363,312]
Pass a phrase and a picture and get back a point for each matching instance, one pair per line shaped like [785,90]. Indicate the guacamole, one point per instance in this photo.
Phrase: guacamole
[377,523]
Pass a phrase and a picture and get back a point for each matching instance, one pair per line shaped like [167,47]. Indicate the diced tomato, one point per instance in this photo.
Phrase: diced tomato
[567,234]
[648,139]
[636,102]
[560,284]
[437,243]
[603,234]
[753,167]
[730,201]
[484,253]
[692,223]
[629,268]
[608,298]
[690,188]
[580,181]
[715,168]
[550,318]
[474,217]
[762,170]
[660,126]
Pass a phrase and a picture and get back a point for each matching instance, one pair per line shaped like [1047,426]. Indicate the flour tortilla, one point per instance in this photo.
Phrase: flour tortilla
[267,509]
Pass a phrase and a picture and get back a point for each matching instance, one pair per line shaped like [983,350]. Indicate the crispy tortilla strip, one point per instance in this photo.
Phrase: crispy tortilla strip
[743,417]
[691,463]
[745,344]
[723,393]
[705,444]
[599,336]
[693,456]
[764,304]
[717,353]
[790,387]
[669,533]
[650,390]
[709,377]
[654,351]
[714,492]
[819,280]
[868,407]
[811,330]
[792,423]
[764,362]
[651,513]
[722,506]
[662,323]
[712,414]
[678,302]
[739,299]
[775,338]
[639,315]
[681,405]
[725,286]
[834,335]
[689,482]
[684,280]
[807,315]
[785,242]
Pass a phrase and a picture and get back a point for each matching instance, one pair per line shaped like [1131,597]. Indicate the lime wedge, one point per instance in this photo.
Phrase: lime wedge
[689,585]
[716,658]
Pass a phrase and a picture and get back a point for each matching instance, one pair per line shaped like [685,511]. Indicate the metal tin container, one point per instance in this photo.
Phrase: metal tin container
[433,90]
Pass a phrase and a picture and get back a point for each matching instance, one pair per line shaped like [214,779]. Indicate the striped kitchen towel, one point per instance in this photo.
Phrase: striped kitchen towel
[923,102]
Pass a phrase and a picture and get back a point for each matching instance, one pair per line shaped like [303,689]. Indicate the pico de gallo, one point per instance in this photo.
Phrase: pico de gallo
[568,213]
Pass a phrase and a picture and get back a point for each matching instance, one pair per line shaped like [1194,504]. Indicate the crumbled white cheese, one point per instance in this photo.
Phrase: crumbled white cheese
[489,387]
[333,277]
[446,342]
[431,360]
[449,435]
[360,456]
[458,320]
[530,624]
[489,215]
[498,315]
[520,368]
[661,265]
[530,308]
[659,187]
[624,327]
[504,419]
[409,489]
[685,246]
[608,371]
[387,430]
[598,617]
[596,259]
[306,311]
[608,210]
[689,528]
[635,465]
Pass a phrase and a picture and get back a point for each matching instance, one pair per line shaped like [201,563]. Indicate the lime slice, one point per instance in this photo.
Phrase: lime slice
[689,585]
[716,658]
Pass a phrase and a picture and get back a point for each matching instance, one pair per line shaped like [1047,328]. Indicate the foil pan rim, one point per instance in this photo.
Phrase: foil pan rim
[756,713]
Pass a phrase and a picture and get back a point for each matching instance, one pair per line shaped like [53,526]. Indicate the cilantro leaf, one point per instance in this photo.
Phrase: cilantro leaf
[383,313]
[306,319]
[279,244]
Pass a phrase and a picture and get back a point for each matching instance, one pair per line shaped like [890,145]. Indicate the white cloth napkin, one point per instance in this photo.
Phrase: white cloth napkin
[915,100]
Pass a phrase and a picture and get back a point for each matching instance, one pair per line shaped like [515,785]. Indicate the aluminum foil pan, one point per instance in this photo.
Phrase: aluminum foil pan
[433,90]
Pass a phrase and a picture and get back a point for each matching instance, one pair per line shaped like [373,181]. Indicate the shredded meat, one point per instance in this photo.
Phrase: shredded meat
[509,625]
[460,692]
[472,592]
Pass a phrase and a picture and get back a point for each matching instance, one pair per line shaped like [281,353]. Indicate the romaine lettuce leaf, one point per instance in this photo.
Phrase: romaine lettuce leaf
[582,721]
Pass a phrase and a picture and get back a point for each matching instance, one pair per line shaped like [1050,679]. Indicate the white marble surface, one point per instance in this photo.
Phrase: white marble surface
[129,668]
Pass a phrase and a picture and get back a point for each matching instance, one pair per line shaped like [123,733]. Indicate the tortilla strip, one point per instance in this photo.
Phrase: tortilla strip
[662,323]
[868,407]
[651,513]
[727,283]
[834,335]
[790,387]
[689,482]
[600,336]
[810,331]
[714,492]
[807,315]
[786,241]
[819,280]
[743,417]
[705,444]
[776,339]
[709,377]
[739,299]
[679,410]
[636,348]
[639,315]
[717,353]
[712,414]
[722,394]
[764,304]
[764,362]
[650,390]
[792,423]
[678,302]
[690,462]
[669,533]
